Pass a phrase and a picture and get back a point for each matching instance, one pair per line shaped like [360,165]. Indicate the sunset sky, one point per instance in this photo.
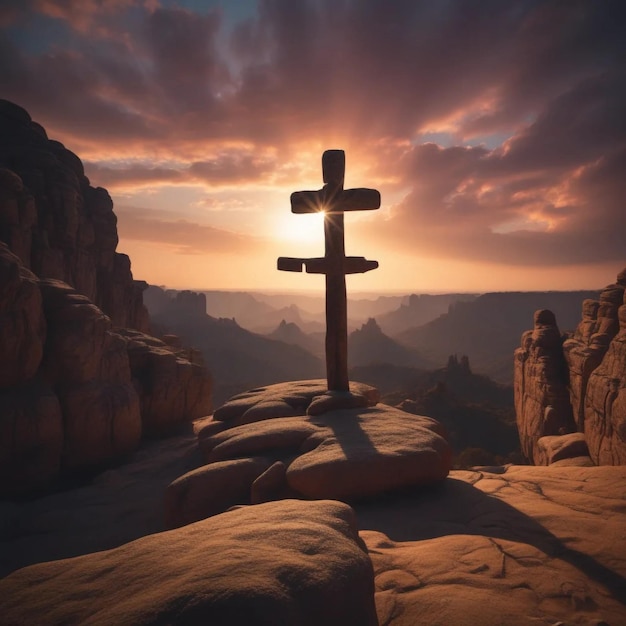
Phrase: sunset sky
[495,131]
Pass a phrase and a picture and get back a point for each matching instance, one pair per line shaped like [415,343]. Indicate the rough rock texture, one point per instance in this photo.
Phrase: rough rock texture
[94,394]
[68,398]
[541,395]
[595,381]
[528,545]
[172,382]
[58,224]
[605,393]
[506,546]
[22,324]
[343,453]
[31,437]
[291,562]
[552,449]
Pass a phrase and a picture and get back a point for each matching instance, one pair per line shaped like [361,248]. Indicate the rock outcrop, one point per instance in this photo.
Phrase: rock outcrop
[292,562]
[58,224]
[75,392]
[578,384]
[77,388]
[298,440]
[541,395]
[516,545]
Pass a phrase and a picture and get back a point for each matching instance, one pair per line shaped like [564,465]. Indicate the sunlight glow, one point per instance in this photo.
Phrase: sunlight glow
[306,227]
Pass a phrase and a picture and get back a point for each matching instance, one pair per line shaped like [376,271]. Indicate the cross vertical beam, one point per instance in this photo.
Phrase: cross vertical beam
[334,200]
[333,168]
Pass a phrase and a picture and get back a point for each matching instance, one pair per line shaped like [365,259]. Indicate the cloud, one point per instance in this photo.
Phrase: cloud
[195,101]
[186,237]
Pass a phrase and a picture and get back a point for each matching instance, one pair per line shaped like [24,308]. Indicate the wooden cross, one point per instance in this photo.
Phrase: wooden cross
[333,200]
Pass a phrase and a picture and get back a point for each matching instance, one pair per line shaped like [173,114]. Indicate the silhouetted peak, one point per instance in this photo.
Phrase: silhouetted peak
[371,327]
[456,365]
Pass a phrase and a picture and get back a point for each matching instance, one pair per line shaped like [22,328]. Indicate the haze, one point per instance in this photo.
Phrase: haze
[493,130]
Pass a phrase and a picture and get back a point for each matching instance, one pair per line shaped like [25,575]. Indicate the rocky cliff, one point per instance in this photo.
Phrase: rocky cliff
[575,383]
[80,383]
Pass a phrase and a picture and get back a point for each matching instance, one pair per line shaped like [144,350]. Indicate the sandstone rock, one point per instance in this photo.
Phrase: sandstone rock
[297,394]
[585,350]
[172,388]
[22,324]
[271,485]
[605,402]
[102,423]
[60,226]
[81,345]
[293,563]
[340,453]
[541,393]
[31,438]
[88,365]
[555,448]
[333,400]
[540,545]
[211,489]
[596,370]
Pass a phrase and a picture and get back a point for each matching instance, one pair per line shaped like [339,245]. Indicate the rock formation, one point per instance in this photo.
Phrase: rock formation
[292,562]
[77,389]
[541,395]
[58,224]
[298,440]
[578,384]
[514,545]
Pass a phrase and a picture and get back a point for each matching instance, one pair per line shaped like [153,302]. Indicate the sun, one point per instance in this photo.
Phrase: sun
[303,228]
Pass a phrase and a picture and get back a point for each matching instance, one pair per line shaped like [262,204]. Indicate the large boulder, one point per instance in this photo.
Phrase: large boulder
[291,562]
[341,453]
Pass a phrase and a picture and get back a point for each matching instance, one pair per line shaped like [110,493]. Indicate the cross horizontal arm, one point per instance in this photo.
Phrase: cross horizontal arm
[360,199]
[319,265]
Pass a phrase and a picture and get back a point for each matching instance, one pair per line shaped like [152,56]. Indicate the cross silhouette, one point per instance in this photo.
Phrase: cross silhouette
[334,200]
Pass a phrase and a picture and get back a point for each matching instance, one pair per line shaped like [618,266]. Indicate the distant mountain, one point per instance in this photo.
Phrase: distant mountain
[369,346]
[418,310]
[239,305]
[364,308]
[267,322]
[488,329]
[237,358]
[290,333]
[477,412]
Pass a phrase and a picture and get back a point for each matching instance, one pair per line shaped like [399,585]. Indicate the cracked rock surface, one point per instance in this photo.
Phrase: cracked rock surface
[532,545]
[508,546]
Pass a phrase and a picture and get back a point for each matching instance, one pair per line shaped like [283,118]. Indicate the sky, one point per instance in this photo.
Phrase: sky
[495,132]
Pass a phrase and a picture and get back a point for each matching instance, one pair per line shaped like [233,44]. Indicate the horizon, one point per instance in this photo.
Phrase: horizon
[366,294]
[493,132]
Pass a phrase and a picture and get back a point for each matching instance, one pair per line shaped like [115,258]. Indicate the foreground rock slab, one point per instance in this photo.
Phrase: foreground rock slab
[526,545]
[341,453]
[290,563]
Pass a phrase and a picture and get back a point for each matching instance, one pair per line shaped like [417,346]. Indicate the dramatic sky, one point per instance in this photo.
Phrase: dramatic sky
[495,131]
